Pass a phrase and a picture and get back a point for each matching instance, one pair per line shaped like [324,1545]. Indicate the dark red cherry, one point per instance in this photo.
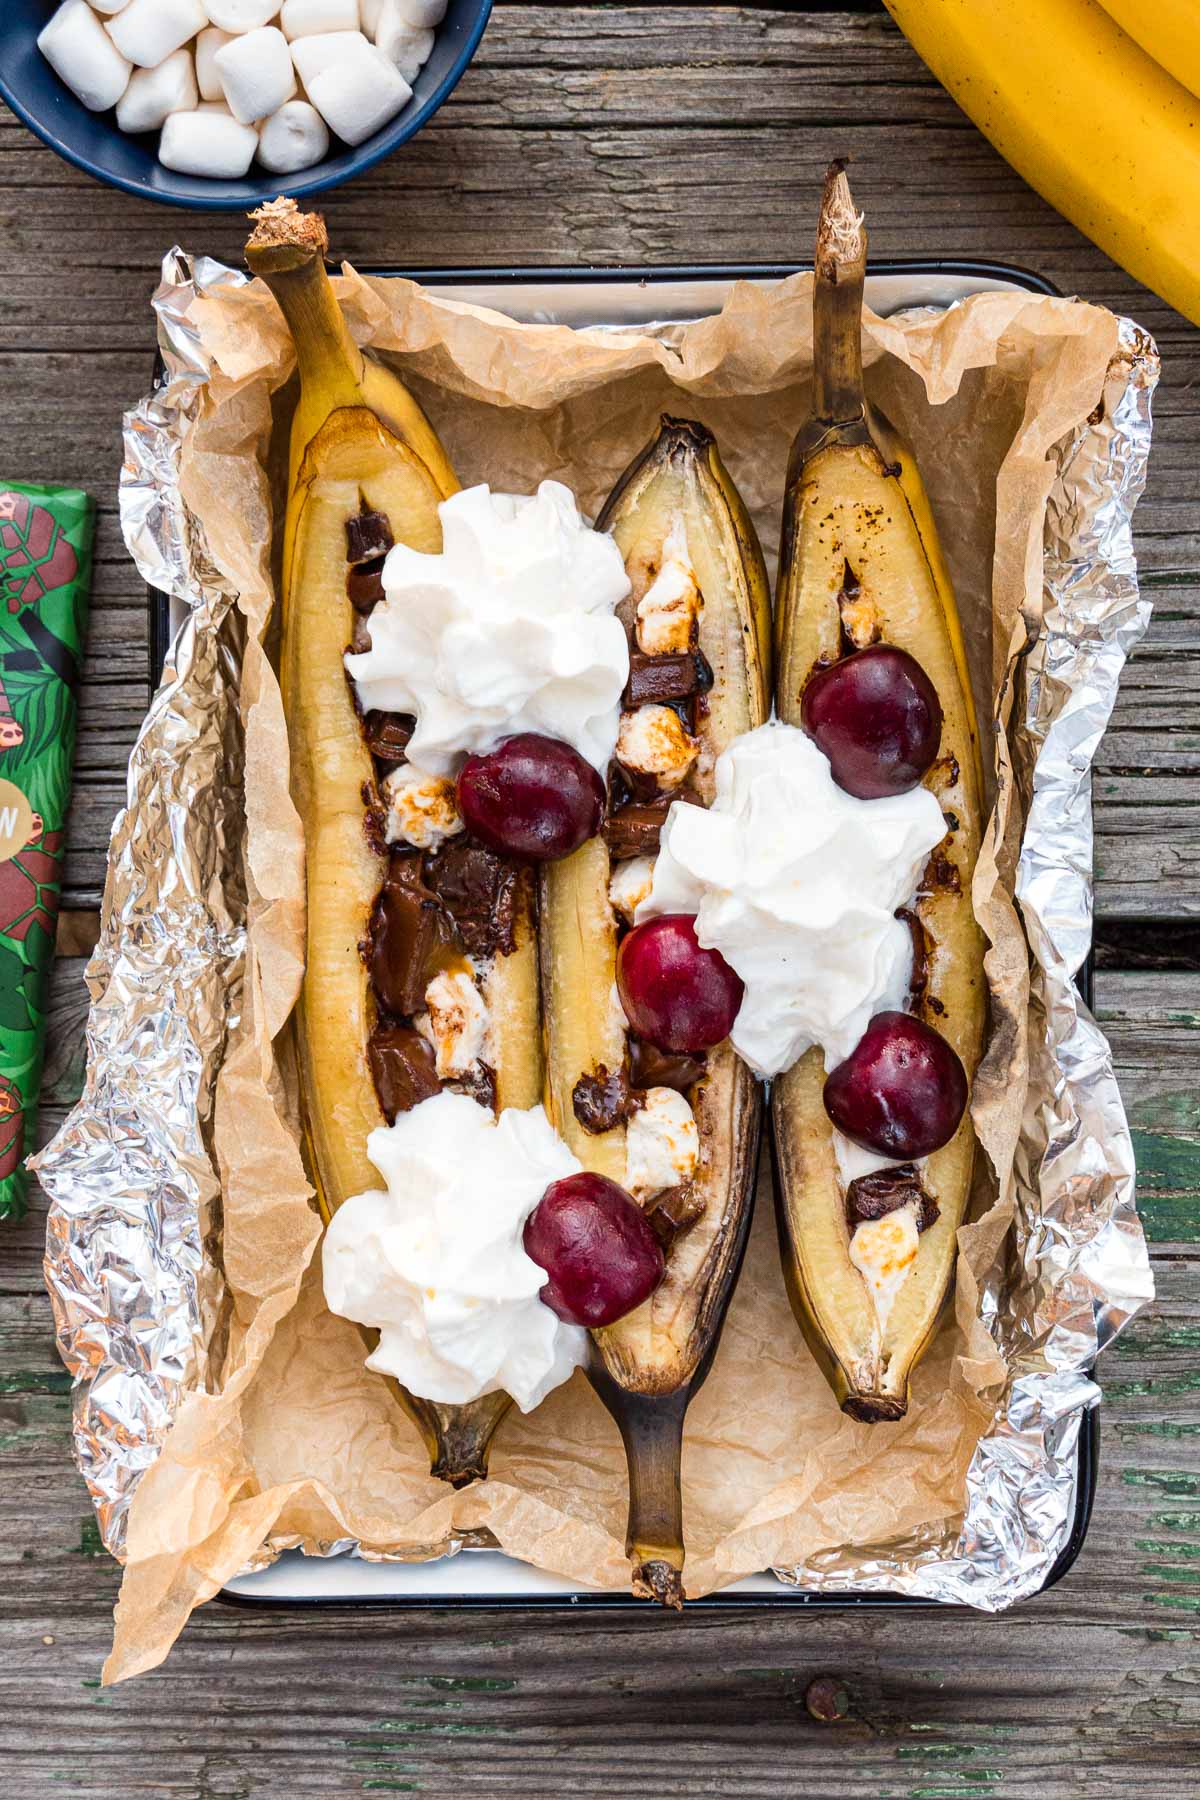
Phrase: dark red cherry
[676,995]
[901,1091]
[597,1247]
[877,717]
[532,797]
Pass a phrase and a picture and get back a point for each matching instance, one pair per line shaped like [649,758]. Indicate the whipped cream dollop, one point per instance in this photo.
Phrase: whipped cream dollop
[796,883]
[435,1262]
[511,628]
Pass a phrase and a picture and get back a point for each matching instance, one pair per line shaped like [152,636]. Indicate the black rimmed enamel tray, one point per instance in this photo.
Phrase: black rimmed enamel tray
[621,297]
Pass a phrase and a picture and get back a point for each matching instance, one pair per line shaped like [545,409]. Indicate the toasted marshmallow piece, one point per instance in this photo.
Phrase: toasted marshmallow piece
[241,15]
[630,884]
[148,31]
[884,1252]
[456,1023]
[293,138]
[208,76]
[422,808]
[668,609]
[208,141]
[422,15]
[356,97]
[256,73]
[153,94]
[662,1144]
[302,18]
[81,53]
[654,741]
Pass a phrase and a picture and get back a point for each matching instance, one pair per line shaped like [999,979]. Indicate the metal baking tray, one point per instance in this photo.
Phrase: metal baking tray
[615,297]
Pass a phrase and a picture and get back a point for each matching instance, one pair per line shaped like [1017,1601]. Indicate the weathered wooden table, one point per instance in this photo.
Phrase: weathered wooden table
[634,134]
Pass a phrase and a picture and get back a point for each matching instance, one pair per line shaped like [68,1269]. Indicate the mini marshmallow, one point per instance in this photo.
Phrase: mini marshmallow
[411,62]
[407,47]
[148,31]
[207,143]
[370,11]
[256,73]
[241,15]
[294,138]
[81,53]
[208,77]
[419,15]
[154,94]
[313,54]
[357,96]
[108,7]
[302,18]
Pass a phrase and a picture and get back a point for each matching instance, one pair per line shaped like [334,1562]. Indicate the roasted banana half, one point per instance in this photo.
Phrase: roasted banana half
[366,469]
[860,568]
[698,622]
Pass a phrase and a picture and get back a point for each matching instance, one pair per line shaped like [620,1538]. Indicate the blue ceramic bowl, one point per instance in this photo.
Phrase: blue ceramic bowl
[93,143]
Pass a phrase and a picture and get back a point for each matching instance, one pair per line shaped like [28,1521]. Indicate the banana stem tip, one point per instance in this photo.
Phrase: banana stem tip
[841,234]
[280,223]
[661,1581]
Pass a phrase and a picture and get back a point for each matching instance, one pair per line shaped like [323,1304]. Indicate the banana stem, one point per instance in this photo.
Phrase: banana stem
[651,1427]
[287,249]
[841,266]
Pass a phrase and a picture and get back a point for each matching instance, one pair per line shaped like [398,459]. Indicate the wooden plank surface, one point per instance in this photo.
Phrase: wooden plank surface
[635,134]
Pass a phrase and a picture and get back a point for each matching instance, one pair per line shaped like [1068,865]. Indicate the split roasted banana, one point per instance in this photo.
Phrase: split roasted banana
[647,1366]
[360,445]
[860,564]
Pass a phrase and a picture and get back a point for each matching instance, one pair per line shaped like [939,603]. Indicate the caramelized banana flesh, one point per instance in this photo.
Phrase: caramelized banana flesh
[647,1366]
[847,513]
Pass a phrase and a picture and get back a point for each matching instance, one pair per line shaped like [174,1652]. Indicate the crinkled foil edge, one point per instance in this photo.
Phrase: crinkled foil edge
[132,1260]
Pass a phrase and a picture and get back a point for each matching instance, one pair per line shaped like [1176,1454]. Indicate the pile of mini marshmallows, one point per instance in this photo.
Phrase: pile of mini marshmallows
[226,81]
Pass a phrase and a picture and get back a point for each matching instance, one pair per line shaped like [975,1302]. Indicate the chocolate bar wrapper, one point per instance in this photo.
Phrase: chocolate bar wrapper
[45,575]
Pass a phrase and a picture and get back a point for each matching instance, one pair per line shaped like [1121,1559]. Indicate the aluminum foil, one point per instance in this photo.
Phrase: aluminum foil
[133,1241]
[130,1245]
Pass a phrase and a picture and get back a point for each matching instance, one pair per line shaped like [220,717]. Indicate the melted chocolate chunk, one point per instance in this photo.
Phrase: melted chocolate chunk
[920,955]
[480,889]
[941,875]
[479,1083]
[412,936]
[633,830]
[388,733]
[601,1100]
[364,585]
[874,1196]
[673,1212]
[651,1067]
[403,1067]
[368,536]
[660,678]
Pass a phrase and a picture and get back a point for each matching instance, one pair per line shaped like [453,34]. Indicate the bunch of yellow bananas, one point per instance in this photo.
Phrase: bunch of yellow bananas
[1096,105]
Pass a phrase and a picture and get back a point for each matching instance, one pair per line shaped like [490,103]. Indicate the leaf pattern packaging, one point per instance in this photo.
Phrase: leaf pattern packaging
[45,569]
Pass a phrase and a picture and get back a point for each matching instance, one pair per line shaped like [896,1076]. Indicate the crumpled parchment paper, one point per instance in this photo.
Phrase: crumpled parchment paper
[263,1430]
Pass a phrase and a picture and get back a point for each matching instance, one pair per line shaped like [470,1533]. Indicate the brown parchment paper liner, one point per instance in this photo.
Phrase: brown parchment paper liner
[281,1438]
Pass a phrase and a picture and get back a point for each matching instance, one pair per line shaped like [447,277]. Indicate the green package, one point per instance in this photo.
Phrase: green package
[45,574]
